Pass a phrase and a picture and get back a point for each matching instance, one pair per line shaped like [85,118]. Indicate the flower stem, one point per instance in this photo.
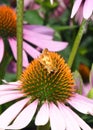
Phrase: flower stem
[20,6]
[45,127]
[76,43]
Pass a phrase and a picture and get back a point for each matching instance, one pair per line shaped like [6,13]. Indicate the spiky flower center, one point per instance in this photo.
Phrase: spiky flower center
[7,22]
[48,78]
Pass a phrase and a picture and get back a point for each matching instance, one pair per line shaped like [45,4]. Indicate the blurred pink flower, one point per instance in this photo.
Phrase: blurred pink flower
[82,87]
[59,10]
[62,6]
[84,6]
[31,4]
[49,87]
[34,36]
[27,2]
[87,88]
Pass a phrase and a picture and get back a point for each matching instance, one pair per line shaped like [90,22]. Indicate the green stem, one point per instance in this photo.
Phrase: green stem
[45,127]
[20,7]
[63,28]
[76,43]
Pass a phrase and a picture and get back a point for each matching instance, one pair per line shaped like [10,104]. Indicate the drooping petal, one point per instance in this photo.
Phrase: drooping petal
[25,59]
[87,9]
[62,114]
[82,104]
[75,7]
[71,123]
[81,123]
[36,35]
[30,50]
[1,49]
[40,29]
[24,118]
[79,14]
[42,116]
[10,97]
[13,45]
[50,44]
[8,115]
[55,118]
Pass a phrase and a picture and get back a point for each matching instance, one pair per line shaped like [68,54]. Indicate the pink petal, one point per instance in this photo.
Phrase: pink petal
[51,45]
[42,116]
[8,116]
[79,15]
[40,29]
[8,92]
[87,9]
[26,3]
[81,123]
[24,118]
[55,118]
[13,46]
[71,123]
[83,98]
[8,87]
[82,104]
[30,50]
[91,77]
[86,89]
[36,35]
[75,7]
[10,97]
[25,59]
[1,49]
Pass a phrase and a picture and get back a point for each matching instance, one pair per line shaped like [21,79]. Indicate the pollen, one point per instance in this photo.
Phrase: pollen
[49,78]
[7,22]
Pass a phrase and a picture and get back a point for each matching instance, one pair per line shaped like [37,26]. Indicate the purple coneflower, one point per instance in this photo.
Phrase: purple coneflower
[62,6]
[84,6]
[34,36]
[47,84]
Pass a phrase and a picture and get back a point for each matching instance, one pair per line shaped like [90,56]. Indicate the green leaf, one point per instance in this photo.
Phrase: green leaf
[10,77]
[4,2]
[32,17]
[90,94]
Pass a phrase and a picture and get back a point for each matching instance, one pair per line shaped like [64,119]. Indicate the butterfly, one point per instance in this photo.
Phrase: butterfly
[47,61]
